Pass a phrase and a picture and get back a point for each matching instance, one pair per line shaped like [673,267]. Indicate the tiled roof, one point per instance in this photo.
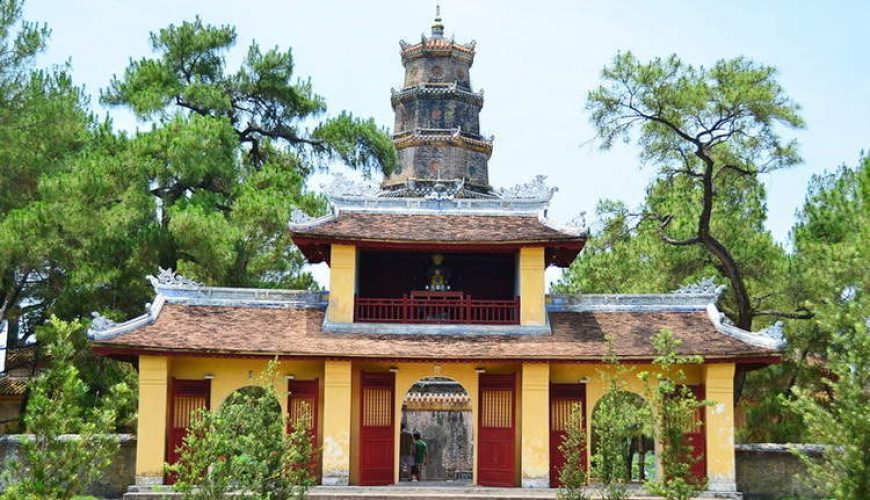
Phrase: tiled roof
[20,357]
[13,386]
[434,228]
[297,332]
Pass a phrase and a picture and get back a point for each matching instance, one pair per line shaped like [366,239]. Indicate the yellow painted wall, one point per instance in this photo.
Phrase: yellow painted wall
[342,283]
[719,382]
[535,444]
[336,423]
[231,374]
[339,415]
[532,283]
[355,408]
[597,384]
[151,431]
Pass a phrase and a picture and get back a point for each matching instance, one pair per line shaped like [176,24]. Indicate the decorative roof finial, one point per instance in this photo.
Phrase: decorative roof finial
[437,25]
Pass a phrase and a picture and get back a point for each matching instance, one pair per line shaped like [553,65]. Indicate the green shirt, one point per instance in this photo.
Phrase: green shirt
[419,451]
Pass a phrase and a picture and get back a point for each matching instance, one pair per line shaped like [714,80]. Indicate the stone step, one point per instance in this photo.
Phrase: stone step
[417,493]
[426,493]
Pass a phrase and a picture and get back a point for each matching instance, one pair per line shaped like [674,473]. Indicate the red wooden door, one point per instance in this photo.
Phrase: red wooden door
[563,397]
[377,429]
[301,400]
[497,431]
[696,436]
[187,396]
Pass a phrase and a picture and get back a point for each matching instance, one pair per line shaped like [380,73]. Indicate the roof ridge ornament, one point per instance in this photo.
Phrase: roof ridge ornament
[168,278]
[775,332]
[342,185]
[704,286]
[577,225]
[537,188]
[101,323]
[299,217]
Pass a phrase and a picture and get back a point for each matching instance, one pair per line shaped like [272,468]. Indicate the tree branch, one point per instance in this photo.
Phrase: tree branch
[671,241]
[799,314]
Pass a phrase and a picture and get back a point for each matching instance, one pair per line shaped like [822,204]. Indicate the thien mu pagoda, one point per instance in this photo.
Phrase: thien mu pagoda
[437,276]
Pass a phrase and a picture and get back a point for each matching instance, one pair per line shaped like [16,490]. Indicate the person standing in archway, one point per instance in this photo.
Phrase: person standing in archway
[406,445]
[421,456]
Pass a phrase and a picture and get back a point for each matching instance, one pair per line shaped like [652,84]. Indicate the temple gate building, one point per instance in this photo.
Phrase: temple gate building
[433,274]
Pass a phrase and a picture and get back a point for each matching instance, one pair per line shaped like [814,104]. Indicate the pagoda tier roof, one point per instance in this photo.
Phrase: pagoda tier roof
[436,90]
[187,319]
[436,231]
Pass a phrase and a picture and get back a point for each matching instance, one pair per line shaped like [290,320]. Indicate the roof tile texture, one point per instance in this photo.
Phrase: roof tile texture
[436,228]
[297,332]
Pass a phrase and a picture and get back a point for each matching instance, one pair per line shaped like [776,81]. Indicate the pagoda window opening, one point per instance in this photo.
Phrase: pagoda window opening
[437,287]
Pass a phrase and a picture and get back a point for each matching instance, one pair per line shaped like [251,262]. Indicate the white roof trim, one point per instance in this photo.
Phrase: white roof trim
[4,337]
[456,206]
[660,302]
[758,339]
[106,331]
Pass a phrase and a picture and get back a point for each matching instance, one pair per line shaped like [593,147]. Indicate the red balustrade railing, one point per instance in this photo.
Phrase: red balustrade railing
[437,308]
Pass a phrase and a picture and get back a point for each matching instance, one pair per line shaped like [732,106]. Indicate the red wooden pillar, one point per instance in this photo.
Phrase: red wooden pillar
[496,462]
[563,397]
[377,424]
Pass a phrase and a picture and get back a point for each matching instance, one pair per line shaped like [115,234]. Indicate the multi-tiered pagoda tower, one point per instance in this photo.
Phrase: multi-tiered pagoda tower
[437,128]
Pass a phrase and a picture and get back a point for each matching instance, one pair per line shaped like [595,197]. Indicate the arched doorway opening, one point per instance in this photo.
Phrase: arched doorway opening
[621,443]
[438,410]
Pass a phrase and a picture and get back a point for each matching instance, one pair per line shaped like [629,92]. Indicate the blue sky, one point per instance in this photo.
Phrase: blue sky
[536,62]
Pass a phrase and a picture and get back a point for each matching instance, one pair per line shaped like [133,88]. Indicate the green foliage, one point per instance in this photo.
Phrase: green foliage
[674,406]
[52,464]
[830,258]
[242,447]
[709,133]
[837,416]
[261,101]
[572,476]
[618,417]
[832,255]
[43,123]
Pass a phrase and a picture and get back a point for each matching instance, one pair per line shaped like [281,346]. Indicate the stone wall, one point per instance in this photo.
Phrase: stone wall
[120,474]
[772,471]
[448,437]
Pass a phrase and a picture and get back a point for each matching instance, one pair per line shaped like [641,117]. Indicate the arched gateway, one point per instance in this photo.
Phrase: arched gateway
[432,273]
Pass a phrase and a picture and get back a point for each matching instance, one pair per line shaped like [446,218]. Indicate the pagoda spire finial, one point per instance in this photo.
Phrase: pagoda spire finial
[437,25]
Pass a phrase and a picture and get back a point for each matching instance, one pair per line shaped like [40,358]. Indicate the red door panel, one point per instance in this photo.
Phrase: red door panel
[377,429]
[303,396]
[497,431]
[563,397]
[187,396]
[696,436]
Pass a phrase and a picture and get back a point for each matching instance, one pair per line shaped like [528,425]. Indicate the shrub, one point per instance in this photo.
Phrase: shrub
[54,464]
[571,475]
[618,417]
[242,447]
[838,416]
[674,406]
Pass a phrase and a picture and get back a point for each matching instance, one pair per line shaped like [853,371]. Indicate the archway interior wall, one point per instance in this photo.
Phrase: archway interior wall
[448,434]
[597,384]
